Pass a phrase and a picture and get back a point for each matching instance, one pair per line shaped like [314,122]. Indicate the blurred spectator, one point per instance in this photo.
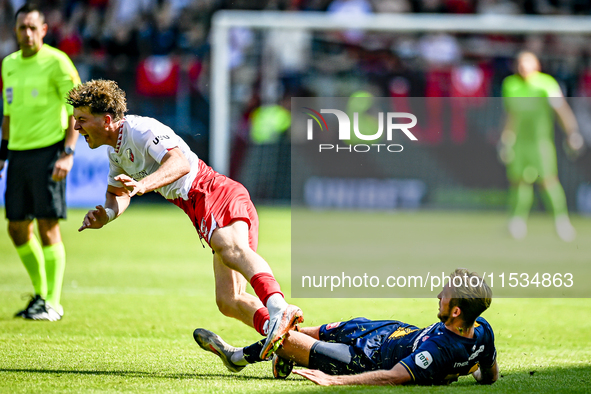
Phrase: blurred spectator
[440,50]
[157,82]
[392,6]
[290,49]
[7,43]
[429,6]
[157,76]
[240,39]
[459,6]
[351,9]
[158,34]
[497,7]
[126,12]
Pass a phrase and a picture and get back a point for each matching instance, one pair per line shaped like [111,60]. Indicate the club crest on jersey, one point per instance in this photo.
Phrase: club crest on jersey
[333,325]
[9,95]
[129,154]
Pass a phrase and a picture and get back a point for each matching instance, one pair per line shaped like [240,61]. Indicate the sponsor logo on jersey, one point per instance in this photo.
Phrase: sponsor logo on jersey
[138,176]
[9,95]
[476,353]
[160,138]
[333,325]
[423,359]
[460,365]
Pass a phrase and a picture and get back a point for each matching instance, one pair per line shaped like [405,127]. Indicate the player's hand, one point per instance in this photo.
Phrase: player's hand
[574,146]
[505,147]
[95,218]
[132,186]
[2,164]
[62,167]
[505,153]
[316,376]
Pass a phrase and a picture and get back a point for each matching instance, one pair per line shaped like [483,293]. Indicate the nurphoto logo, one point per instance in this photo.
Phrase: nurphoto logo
[393,124]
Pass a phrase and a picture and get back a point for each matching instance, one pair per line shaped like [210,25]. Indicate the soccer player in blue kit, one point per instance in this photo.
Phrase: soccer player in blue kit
[386,352]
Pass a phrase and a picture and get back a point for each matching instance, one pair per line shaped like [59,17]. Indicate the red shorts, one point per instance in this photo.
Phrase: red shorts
[215,201]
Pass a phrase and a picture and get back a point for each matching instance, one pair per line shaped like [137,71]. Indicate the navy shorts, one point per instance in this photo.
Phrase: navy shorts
[361,338]
[30,191]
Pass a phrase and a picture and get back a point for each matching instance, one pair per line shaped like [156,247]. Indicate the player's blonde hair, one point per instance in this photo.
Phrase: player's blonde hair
[100,96]
[471,294]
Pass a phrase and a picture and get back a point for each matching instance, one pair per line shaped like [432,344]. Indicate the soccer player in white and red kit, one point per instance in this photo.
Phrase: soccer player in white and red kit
[145,155]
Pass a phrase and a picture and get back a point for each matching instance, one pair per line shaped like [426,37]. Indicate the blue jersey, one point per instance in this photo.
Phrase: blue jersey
[432,355]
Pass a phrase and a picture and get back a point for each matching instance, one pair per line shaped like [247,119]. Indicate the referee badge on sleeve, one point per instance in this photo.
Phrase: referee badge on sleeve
[9,95]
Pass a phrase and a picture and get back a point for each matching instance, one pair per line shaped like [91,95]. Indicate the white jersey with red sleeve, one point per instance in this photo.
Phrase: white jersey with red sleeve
[142,144]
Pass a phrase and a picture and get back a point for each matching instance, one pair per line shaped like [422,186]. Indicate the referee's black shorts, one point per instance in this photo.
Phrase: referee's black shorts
[30,191]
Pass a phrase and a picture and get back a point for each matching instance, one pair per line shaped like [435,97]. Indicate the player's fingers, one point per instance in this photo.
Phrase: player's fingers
[123,178]
[306,373]
[85,223]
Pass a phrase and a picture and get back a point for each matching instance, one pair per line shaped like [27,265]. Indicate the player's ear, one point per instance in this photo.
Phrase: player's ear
[107,120]
[456,311]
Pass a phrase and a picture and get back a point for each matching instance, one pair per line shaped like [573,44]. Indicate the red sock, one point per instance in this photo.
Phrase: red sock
[265,285]
[260,317]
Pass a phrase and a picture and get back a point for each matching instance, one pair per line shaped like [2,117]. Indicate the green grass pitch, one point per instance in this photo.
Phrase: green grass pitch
[135,290]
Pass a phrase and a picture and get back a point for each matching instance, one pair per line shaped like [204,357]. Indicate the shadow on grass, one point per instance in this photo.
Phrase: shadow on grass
[136,374]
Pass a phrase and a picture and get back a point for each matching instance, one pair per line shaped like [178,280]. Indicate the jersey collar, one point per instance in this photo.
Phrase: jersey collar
[120,137]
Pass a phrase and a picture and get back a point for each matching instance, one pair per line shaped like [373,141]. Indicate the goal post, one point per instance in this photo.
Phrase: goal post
[223,21]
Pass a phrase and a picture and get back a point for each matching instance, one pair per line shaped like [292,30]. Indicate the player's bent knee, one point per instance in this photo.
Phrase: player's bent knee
[19,232]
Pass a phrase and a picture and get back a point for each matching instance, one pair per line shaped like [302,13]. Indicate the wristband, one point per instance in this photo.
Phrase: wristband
[110,214]
[4,150]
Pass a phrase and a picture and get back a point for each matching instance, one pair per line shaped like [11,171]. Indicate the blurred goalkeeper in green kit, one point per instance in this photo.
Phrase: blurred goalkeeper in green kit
[531,99]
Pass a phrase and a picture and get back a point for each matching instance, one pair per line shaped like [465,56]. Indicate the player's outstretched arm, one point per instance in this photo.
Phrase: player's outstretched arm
[506,141]
[487,375]
[117,201]
[396,376]
[173,166]
[569,124]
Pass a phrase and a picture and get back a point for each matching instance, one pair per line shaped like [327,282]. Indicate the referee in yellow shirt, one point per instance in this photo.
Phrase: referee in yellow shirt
[38,141]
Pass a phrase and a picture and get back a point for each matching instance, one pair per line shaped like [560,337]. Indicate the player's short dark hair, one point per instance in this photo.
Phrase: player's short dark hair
[100,96]
[471,294]
[27,8]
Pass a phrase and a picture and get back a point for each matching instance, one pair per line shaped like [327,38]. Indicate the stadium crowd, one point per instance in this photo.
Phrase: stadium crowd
[152,45]
[159,52]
